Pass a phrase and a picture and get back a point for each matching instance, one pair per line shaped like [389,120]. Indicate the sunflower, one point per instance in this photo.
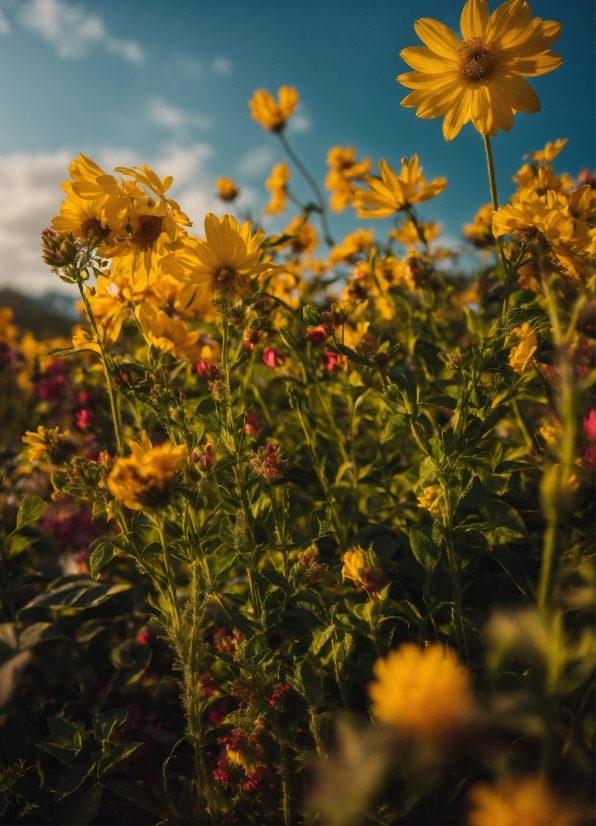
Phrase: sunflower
[271,114]
[480,77]
[224,262]
[391,193]
[85,218]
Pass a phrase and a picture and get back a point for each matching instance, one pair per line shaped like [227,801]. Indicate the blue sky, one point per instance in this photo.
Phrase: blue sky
[168,83]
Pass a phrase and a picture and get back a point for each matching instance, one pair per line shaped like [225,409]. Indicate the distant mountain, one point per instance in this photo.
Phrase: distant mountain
[52,314]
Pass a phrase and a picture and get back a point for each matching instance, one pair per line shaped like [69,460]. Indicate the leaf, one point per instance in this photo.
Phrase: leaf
[10,676]
[396,426]
[39,632]
[517,317]
[513,466]
[57,352]
[66,733]
[31,509]
[506,523]
[88,807]
[442,401]
[309,683]
[117,757]
[312,316]
[344,649]
[426,551]
[474,495]
[106,722]
[100,556]
[320,636]
[132,658]
[349,353]
[129,790]
[70,781]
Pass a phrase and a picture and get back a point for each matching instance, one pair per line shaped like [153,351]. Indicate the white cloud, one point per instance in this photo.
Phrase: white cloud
[222,65]
[299,122]
[72,30]
[30,195]
[255,162]
[178,120]
[4,24]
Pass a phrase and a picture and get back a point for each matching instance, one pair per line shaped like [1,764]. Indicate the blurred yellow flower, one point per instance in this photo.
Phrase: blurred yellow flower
[144,479]
[8,331]
[520,357]
[170,335]
[344,169]
[361,240]
[528,801]
[277,184]
[306,239]
[391,193]
[530,213]
[225,262]
[272,114]
[550,151]
[363,568]
[407,233]
[481,76]
[480,231]
[47,443]
[427,693]
[227,190]
[429,498]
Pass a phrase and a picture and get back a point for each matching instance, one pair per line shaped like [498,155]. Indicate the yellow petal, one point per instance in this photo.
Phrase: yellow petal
[534,66]
[457,115]
[513,14]
[518,93]
[438,37]
[474,18]
[424,60]
[501,108]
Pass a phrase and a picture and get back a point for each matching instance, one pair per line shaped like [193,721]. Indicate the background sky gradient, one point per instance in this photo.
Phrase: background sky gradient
[168,83]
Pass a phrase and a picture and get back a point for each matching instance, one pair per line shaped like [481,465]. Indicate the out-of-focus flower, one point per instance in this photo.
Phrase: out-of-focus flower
[267,462]
[480,77]
[552,433]
[225,262]
[363,568]
[208,369]
[589,424]
[171,335]
[84,419]
[47,443]
[530,801]
[334,362]
[252,425]
[344,169]
[359,241]
[520,356]
[427,693]
[550,151]
[430,498]
[408,233]
[317,334]
[391,193]
[305,238]
[480,231]
[277,184]
[227,190]
[144,478]
[273,358]
[271,114]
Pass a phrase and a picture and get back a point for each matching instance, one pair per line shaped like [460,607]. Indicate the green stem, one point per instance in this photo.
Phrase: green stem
[169,574]
[492,179]
[454,571]
[312,183]
[109,382]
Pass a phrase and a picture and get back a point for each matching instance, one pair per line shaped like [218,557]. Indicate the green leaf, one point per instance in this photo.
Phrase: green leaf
[116,758]
[31,509]
[88,807]
[106,722]
[320,636]
[71,780]
[506,523]
[132,658]
[517,317]
[57,352]
[309,683]
[442,401]
[100,556]
[351,354]
[65,733]
[513,467]
[39,632]
[129,790]
[312,316]
[396,426]
[426,551]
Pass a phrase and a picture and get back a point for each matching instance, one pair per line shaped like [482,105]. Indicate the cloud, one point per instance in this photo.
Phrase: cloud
[73,31]
[222,65]
[4,24]
[255,162]
[175,119]
[299,122]
[30,195]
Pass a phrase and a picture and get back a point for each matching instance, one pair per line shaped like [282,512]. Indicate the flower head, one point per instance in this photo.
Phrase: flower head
[363,568]
[47,444]
[391,193]
[171,335]
[480,231]
[271,114]
[227,190]
[513,801]
[344,169]
[427,693]
[277,184]
[144,479]
[224,262]
[480,77]
[521,354]
[430,498]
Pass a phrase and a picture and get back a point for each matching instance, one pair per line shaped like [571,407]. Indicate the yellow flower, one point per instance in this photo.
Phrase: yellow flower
[363,568]
[530,211]
[277,184]
[144,479]
[391,193]
[552,433]
[429,498]
[407,233]
[85,218]
[515,802]
[481,76]
[83,340]
[170,335]
[273,115]
[480,231]
[344,169]
[361,240]
[225,262]
[427,693]
[8,331]
[90,182]
[306,238]
[47,444]
[227,190]
[520,357]
[550,151]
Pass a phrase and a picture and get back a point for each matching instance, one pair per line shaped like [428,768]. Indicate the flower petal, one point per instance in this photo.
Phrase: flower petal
[457,115]
[425,60]
[474,19]
[438,37]
[534,66]
[513,14]
[517,92]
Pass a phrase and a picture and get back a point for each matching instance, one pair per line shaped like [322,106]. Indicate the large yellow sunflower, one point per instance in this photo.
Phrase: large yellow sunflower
[480,77]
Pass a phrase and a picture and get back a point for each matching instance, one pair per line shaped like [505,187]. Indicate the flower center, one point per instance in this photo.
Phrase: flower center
[92,229]
[476,58]
[148,231]
[223,279]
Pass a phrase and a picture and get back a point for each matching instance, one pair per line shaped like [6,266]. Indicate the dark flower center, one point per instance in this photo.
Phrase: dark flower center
[476,58]
[148,231]
[92,229]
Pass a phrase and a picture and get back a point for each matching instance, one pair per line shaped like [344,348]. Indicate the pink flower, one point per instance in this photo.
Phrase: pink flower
[85,419]
[590,426]
[333,361]
[273,358]
[252,426]
[207,370]
[317,334]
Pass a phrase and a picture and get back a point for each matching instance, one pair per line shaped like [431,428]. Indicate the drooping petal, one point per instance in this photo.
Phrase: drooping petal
[457,115]
[482,116]
[474,19]
[500,106]
[438,37]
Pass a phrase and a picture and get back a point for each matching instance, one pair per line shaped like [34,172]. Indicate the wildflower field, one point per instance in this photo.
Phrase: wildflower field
[299,529]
